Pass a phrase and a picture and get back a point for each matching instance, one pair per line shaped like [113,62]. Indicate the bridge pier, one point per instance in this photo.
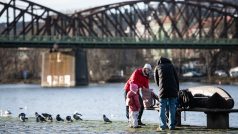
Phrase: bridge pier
[64,68]
[81,67]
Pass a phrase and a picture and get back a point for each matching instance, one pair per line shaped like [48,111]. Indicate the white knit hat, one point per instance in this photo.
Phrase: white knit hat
[147,66]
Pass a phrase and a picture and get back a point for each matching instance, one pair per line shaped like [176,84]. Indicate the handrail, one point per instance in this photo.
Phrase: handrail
[79,39]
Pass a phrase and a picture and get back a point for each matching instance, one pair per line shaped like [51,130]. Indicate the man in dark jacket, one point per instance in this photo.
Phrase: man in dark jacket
[166,79]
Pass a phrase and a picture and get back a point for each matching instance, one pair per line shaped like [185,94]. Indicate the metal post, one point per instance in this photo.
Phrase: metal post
[178,118]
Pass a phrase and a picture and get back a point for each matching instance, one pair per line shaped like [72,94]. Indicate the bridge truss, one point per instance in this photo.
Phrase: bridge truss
[149,20]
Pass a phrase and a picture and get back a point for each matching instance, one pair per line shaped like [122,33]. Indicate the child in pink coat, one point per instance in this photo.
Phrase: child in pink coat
[134,105]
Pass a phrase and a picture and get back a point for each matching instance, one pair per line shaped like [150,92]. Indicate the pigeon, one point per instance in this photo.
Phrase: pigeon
[47,117]
[106,120]
[39,118]
[76,116]
[22,117]
[58,118]
[68,118]
[7,112]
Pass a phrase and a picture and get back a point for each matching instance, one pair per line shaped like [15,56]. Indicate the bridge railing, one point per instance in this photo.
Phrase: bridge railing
[113,40]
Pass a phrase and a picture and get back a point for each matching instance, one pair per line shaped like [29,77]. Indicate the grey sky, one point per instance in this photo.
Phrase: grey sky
[65,5]
[72,5]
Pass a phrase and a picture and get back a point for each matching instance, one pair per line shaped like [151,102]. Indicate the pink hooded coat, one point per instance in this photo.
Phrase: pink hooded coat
[134,103]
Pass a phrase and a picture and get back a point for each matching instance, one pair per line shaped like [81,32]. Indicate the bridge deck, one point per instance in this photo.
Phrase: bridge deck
[112,42]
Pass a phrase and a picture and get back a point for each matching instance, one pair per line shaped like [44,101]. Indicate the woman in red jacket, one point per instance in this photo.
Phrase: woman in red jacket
[134,105]
[140,77]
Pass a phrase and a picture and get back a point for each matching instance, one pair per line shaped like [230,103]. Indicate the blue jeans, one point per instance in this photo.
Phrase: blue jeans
[169,103]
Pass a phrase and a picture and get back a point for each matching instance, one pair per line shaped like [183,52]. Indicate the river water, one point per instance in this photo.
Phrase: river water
[92,102]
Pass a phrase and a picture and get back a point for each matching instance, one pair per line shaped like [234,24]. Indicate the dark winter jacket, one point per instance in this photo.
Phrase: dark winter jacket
[166,78]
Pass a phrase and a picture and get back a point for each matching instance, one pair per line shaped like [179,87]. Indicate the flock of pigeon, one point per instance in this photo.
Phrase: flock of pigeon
[45,117]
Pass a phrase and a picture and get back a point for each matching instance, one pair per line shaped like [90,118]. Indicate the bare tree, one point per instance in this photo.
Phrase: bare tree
[103,63]
[34,62]
[8,63]
[216,59]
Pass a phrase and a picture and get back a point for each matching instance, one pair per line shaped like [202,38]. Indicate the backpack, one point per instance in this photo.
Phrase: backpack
[185,99]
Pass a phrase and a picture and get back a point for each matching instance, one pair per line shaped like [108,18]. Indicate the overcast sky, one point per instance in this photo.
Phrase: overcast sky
[72,5]
[69,6]
[64,5]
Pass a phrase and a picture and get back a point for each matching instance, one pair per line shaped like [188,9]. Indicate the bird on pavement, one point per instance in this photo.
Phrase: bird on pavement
[77,116]
[58,118]
[106,120]
[6,113]
[45,115]
[22,117]
[48,117]
[39,118]
[68,118]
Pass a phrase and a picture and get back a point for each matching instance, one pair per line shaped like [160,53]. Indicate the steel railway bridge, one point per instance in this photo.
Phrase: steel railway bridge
[132,24]
[203,24]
